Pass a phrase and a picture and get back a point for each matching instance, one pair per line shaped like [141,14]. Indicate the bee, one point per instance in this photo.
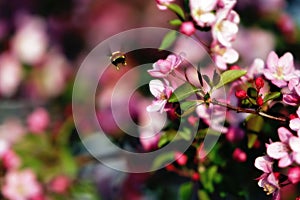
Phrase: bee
[117,59]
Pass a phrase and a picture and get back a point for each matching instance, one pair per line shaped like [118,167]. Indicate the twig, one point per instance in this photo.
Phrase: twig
[246,110]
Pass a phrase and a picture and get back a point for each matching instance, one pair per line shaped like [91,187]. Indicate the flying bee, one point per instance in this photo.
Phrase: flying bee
[117,59]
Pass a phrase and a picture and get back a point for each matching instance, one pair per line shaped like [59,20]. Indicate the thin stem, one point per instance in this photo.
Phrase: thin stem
[247,110]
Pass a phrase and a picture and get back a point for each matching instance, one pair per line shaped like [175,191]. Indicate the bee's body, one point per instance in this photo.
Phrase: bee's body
[117,59]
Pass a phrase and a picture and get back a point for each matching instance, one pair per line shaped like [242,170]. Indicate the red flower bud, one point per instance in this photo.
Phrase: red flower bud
[195,176]
[234,67]
[259,101]
[241,94]
[293,116]
[239,155]
[259,83]
[170,167]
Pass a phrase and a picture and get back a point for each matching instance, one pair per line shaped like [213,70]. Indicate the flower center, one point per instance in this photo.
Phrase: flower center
[279,72]
[269,189]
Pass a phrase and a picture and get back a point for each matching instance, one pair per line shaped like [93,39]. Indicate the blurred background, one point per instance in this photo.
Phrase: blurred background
[43,43]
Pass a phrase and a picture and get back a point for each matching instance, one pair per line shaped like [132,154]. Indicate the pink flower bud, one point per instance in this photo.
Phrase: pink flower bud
[181,158]
[259,101]
[241,94]
[239,155]
[259,83]
[294,174]
[187,28]
[38,121]
[60,184]
[193,120]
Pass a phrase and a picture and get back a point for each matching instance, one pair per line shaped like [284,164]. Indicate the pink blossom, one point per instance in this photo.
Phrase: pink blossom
[294,85]
[53,75]
[201,11]
[226,4]
[59,184]
[291,95]
[223,55]
[291,99]
[295,123]
[256,68]
[31,41]
[268,180]
[280,70]
[187,28]
[225,28]
[21,185]
[149,140]
[163,68]
[11,74]
[294,174]
[11,160]
[4,146]
[14,127]
[38,120]
[162,4]
[162,92]
[281,150]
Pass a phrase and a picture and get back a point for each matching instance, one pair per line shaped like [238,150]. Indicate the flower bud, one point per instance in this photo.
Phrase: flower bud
[294,174]
[259,101]
[234,67]
[195,176]
[241,94]
[187,28]
[239,155]
[259,83]
[181,158]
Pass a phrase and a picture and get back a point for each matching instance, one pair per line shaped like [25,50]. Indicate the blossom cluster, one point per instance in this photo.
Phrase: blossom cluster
[253,95]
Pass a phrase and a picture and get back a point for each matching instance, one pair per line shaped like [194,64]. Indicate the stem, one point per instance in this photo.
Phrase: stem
[246,110]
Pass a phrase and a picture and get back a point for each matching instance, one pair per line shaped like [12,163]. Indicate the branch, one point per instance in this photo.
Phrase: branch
[247,110]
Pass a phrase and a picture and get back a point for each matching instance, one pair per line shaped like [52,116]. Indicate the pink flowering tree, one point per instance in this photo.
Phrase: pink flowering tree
[263,97]
[240,110]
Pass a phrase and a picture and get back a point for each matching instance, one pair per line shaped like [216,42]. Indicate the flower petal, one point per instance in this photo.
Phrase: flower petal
[156,88]
[295,144]
[272,61]
[264,163]
[285,161]
[284,134]
[277,150]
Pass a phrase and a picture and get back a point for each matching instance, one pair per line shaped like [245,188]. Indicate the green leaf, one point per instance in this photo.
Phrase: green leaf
[177,9]
[252,92]
[251,140]
[216,78]
[207,80]
[182,92]
[230,76]
[254,123]
[166,137]
[271,96]
[168,40]
[185,191]
[175,22]
[189,107]
[162,159]
[202,194]
[186,134]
